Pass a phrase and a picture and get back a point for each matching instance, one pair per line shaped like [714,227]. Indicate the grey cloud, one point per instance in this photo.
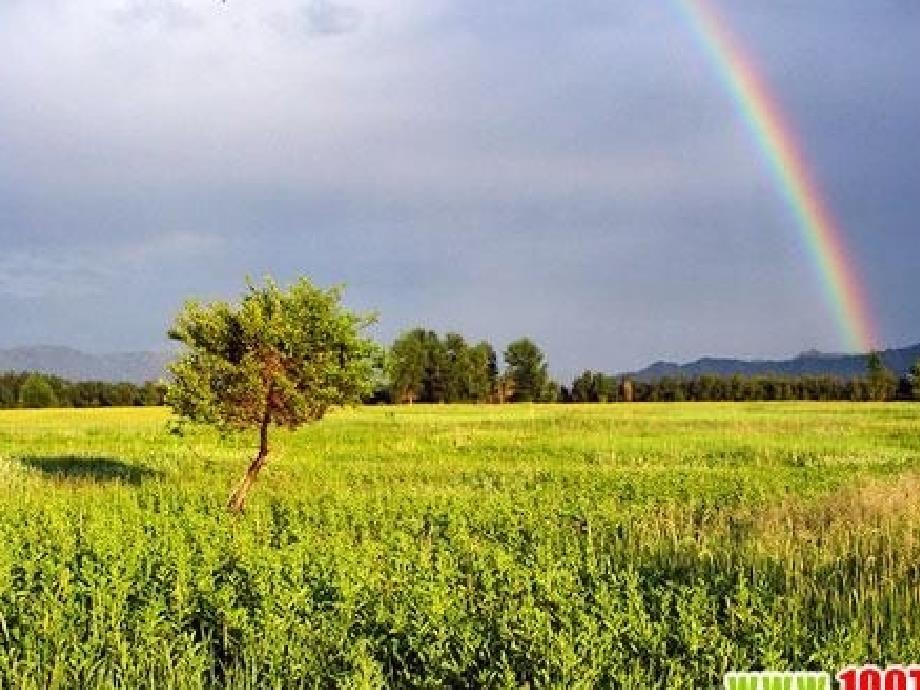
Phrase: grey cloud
[31,276]
[92,269]
[165,14]
[331,18]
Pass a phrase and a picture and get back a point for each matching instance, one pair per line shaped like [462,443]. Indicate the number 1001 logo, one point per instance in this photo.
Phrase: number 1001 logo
[874,678]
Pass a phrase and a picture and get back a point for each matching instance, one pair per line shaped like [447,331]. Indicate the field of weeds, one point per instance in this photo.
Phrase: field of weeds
[627,546]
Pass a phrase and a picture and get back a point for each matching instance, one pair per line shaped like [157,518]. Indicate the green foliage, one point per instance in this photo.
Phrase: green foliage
[914,380]
[591,386]
[528,370]
[36,391]
[882,383]
[643,546]
[79,394]
[425,368]
[417,366]
[874,364]
[594,386]
[480,371]
[279,356]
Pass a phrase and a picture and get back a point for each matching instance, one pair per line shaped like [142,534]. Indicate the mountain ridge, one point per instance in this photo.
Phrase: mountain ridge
[150,365]
[808,363]
[76,365]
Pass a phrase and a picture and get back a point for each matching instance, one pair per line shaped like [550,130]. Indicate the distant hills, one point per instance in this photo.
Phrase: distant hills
[138,367]
[812,362]
[75,365]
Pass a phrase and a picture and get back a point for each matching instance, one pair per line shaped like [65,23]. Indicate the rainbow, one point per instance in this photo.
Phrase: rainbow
[785,159]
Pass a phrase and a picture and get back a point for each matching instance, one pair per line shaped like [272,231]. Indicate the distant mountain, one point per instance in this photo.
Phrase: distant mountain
[75,365]
[811,362]
[138,367]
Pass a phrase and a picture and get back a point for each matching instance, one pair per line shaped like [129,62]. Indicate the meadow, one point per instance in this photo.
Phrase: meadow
[625,546]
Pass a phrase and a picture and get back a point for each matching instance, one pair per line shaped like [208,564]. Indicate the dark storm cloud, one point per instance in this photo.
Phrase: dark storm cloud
[571,171]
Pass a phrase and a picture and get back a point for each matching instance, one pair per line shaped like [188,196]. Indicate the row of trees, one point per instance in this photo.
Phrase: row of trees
[35,390]
[598,387]
[878,384]
[422,366]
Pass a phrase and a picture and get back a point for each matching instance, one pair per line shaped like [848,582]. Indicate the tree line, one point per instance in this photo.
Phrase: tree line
[36,390]
[424,367]
[598,387]
[878,384]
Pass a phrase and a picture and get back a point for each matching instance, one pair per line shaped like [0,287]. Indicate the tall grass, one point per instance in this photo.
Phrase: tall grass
[652,546]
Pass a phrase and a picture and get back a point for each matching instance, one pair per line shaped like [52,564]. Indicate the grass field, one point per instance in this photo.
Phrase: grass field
[628,546]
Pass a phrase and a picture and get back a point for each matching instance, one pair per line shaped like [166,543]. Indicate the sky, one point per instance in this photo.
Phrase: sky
[570,171]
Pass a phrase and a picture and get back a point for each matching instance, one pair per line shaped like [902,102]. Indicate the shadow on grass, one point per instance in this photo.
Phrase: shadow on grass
[90,468]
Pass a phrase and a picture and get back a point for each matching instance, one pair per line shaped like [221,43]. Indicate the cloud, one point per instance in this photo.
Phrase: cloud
[450,160]
[25,275]
[331,18]
[72,272]
[164,14]
[292,18]
[168,245]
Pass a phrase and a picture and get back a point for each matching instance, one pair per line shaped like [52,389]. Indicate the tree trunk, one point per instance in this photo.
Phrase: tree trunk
[237,501]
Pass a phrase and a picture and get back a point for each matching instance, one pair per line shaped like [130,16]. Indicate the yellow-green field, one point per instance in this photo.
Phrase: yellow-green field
[627,546]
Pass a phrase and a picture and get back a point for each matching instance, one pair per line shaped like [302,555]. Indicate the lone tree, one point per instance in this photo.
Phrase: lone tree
[280,356]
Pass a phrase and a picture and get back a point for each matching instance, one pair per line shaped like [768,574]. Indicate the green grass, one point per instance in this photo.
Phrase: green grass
[628,546]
